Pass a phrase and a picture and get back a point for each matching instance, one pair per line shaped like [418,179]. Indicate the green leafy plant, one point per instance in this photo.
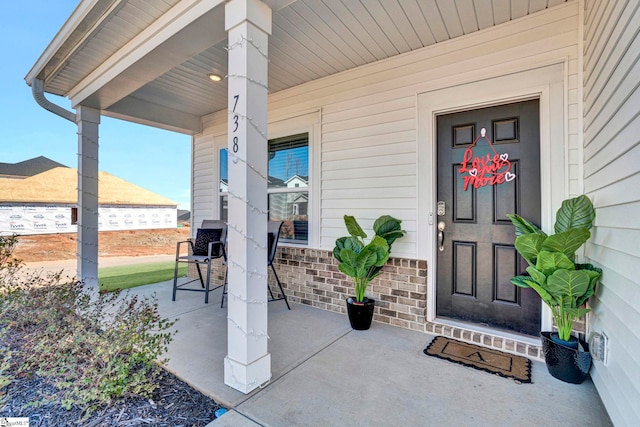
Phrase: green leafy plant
[9,265]
[5,366]
[93,348]
[563,285]
[362,261]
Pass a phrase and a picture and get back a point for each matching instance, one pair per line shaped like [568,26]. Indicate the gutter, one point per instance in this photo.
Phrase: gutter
[37,89]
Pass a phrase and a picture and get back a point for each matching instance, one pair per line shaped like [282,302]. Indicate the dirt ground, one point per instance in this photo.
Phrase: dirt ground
[55,247]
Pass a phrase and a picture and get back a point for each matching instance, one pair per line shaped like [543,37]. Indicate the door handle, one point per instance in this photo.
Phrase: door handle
[441,226]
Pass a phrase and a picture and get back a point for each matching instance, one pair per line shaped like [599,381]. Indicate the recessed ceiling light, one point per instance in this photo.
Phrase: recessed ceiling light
[214,77]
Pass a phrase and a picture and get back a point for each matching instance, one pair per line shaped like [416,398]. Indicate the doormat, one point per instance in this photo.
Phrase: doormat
[485,359]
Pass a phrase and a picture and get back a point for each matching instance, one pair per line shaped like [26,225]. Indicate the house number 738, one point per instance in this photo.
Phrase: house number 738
[235,122]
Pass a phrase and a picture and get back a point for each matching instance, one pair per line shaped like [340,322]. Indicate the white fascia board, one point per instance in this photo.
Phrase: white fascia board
[138,111]
[160,31]
[77,16]
[276,5]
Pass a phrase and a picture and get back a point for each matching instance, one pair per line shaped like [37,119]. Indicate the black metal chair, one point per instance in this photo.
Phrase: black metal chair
[273,235]
[209,245]
[273,229]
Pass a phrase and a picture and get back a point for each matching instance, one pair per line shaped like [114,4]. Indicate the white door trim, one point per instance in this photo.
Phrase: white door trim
[546,83]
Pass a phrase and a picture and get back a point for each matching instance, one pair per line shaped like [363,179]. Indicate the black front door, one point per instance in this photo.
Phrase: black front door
[480,179]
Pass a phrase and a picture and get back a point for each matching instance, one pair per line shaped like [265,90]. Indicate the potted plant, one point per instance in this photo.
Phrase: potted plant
[563,285]
[363,262]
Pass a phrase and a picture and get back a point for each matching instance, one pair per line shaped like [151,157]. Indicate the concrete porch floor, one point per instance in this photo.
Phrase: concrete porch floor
[324,373]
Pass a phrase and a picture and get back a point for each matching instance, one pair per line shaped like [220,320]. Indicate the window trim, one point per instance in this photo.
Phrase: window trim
[308,122]
[300,141]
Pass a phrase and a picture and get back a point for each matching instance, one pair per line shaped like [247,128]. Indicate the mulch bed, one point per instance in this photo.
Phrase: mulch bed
[174,404]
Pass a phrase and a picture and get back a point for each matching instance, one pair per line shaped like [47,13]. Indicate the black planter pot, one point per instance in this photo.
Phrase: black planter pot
[360,313]
[567,364]
[572,343]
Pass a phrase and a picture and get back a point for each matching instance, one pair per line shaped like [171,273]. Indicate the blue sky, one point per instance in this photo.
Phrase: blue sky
[151,158]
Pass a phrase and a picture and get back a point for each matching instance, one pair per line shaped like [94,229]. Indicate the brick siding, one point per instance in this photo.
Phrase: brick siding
[311,277]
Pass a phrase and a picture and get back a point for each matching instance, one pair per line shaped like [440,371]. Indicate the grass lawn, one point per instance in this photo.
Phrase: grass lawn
[130,276]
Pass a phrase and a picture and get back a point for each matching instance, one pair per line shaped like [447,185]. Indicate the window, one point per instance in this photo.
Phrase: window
[224,184]
[288,186]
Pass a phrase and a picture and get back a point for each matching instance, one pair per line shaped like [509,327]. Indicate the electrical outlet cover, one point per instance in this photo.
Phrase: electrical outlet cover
[598,346]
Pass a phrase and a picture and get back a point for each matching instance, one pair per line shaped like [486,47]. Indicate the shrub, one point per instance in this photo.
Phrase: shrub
[93,348]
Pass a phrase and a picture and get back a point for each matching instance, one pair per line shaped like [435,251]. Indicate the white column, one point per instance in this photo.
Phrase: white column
[248,363]
[88,120]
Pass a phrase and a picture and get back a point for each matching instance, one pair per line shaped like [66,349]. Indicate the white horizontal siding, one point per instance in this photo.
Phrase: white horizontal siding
[375,182]
[611,179]
[339,123]
[371,128]
[370,159]
[615,170]
[368,142]
[390,129]
[621,240]
[369,121]
[393,149]
[617,193]
[365,172]
[204,181]
[614,307]
[610,216]
[355,110]
[339,224]
[397,192]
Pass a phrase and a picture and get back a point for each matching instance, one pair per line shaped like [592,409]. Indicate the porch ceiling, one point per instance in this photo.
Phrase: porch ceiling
[148,60]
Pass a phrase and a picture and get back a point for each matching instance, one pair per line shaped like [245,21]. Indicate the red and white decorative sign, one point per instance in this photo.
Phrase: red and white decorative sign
[485,170]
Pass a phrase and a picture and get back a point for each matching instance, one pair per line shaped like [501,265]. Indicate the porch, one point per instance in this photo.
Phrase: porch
[365,83]
[325,373]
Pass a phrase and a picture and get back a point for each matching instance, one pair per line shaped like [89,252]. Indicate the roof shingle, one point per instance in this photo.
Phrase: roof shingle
[29,167]
[59,185]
